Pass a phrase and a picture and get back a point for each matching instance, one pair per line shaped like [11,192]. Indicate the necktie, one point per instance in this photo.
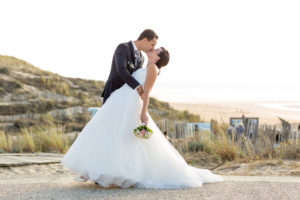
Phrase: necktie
[137,57]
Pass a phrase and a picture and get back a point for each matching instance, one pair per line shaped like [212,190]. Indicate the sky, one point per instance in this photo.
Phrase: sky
[219,50]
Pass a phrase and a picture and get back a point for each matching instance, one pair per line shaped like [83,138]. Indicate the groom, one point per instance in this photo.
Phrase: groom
[127,59]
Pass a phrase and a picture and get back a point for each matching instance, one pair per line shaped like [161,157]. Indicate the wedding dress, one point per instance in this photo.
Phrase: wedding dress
[107,151]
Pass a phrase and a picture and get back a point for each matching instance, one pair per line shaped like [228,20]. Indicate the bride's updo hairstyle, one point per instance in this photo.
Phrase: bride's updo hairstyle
[164,58]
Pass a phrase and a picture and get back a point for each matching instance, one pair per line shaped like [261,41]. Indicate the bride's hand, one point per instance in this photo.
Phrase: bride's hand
[144,118]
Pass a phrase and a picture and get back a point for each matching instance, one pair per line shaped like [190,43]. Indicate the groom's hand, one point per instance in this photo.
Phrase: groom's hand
[140,91]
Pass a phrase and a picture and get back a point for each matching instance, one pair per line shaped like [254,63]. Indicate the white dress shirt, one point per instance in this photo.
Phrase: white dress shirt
[134,47]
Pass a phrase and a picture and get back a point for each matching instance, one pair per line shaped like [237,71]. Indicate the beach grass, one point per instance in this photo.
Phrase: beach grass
[36,140]
[221,148]
[215,146]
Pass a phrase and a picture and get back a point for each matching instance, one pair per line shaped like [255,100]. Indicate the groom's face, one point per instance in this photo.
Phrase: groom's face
[149,45]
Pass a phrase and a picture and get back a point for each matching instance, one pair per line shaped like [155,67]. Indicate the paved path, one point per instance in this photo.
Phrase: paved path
[23,159]
[64,187]
[32,176]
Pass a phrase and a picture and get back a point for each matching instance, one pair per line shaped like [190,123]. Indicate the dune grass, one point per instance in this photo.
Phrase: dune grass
[220,148]
[33,140]
[216,147]
[5,142]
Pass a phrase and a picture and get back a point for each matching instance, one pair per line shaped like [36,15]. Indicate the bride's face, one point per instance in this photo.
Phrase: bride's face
[153,55]
[157,51]
[154,52]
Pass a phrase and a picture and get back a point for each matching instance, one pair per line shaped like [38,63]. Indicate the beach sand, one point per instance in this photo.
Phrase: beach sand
[268,112]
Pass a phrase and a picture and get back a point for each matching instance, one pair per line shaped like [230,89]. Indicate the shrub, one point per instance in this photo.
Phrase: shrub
[4,70]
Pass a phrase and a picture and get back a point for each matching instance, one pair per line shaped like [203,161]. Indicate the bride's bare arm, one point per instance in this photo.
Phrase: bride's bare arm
[152,74]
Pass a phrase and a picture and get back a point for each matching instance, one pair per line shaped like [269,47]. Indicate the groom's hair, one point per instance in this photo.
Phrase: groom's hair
[164,58]
[149,34]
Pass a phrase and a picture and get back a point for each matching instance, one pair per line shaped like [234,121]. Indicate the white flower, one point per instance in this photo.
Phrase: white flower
[131,65]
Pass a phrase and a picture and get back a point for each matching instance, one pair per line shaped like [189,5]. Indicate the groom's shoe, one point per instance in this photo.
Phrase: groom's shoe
[80,179]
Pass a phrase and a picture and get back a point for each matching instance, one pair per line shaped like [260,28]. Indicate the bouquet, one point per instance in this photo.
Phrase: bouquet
[143,131]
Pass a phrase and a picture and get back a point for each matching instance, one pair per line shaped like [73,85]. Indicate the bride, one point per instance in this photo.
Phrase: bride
[108,153]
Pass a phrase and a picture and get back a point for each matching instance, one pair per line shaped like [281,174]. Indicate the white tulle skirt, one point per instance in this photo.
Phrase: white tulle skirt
[107,151]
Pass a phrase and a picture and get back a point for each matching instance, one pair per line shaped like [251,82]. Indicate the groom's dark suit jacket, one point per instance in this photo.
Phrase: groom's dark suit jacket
[123,65]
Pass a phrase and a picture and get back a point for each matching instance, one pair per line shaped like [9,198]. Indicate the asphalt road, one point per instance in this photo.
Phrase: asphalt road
[234,187]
